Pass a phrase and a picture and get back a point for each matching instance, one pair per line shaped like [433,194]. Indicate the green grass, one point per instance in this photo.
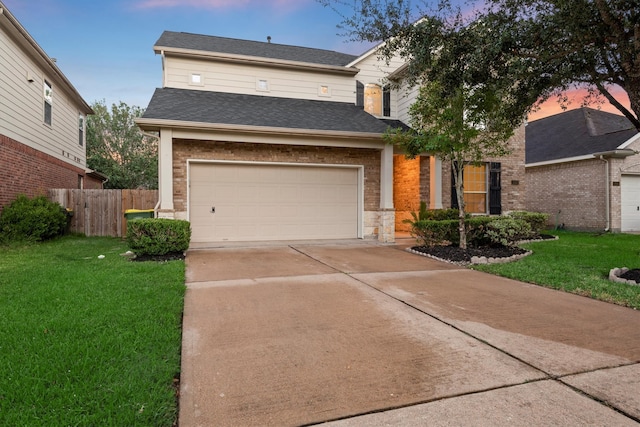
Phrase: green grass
[87,341]
[579,263]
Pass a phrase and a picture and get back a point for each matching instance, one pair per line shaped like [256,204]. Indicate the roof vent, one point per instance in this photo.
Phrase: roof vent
[268,39]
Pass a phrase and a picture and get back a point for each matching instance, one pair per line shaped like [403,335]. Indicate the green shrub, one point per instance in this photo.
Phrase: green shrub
[430,233]
[507,231]
[538,221]
[476,231]
[33,220]
[425,214]
[158,236]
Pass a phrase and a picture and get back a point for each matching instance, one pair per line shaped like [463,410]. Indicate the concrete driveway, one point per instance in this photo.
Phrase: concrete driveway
[360,334]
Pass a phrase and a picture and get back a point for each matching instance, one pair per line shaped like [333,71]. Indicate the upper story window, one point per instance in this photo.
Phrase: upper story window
[262,85]
[196,79]
[80,130]
[374,99]
[48,102]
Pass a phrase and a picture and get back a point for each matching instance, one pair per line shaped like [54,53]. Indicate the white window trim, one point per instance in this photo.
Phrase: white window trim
[262,85]
[324,91]
[199,81]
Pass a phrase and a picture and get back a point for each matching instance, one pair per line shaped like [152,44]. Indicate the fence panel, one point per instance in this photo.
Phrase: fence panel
[101,212]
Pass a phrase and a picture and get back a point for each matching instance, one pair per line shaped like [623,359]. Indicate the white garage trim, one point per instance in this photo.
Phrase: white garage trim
[630,203]
[359,169]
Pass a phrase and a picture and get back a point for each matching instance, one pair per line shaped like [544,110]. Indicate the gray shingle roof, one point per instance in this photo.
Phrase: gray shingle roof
[574,133]
[251,110]
[253,48]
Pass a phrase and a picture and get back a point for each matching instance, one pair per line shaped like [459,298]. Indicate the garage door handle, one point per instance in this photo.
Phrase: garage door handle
[213,209]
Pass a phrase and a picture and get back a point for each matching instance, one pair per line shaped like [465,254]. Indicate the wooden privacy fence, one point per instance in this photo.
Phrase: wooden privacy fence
[101,212]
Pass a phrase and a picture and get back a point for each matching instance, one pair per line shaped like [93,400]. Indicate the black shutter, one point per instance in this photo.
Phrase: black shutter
[386,101]
[359,94]
[495,189]
[454,193]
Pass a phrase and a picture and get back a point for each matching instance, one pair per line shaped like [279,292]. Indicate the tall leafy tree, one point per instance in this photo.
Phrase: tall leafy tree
[117,148]
[547,46]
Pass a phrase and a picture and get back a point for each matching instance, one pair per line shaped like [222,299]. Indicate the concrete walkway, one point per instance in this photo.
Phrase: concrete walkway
[359,334]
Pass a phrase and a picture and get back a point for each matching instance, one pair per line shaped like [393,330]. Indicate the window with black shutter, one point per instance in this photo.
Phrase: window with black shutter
[386,101]
[495,189]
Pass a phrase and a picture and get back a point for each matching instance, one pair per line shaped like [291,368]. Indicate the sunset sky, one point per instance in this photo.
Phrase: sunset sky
[105,48]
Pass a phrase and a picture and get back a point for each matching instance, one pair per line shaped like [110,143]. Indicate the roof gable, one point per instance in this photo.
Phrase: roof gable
[198,42]
[580,132]
[260,111]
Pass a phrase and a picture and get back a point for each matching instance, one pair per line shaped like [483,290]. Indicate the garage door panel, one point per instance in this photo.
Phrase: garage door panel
[272,202]
[630,203]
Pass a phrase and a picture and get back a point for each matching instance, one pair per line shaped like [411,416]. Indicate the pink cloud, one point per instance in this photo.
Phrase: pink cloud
[576,96]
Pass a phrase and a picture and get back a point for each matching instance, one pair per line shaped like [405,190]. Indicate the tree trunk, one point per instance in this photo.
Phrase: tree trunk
[458,169]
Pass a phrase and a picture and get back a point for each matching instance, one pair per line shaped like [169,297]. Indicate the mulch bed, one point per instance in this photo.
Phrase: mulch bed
[457,255]
[633,274]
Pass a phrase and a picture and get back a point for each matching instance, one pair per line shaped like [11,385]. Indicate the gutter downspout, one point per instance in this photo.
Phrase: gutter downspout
[607,194]
[157,206]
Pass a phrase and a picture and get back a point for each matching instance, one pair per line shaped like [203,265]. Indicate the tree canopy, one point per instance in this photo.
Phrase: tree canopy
[542,47]
[117,148]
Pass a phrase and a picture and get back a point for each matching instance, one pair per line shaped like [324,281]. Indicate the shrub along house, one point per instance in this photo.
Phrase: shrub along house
[583,169]
[42,120]
[262,141]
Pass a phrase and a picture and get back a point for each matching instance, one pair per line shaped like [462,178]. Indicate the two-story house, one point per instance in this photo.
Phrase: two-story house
[42,119]
[263,141]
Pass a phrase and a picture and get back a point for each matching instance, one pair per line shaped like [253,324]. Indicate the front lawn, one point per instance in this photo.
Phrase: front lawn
[88,341]
[578,263]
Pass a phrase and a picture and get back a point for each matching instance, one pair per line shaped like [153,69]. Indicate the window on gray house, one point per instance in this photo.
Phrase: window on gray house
[48,102]
[81,130]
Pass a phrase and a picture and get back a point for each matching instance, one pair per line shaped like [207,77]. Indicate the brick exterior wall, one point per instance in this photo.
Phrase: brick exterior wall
[24,170]
[205,150]
[573,193]
[512,179]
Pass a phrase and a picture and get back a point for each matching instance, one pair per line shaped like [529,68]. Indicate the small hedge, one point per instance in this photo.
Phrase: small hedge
[537,221]
[440,226]
[158,236]
[507,231]
[33,220]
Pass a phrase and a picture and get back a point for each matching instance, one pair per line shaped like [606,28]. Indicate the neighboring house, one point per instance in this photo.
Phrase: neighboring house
[42,120]
[583,169]
[262,141]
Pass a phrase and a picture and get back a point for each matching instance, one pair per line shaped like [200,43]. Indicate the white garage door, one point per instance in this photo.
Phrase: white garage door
[630,202]
[244,202]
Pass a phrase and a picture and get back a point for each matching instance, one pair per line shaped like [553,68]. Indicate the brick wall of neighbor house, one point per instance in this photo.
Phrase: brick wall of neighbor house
[193,149]
[24,170]
[571,193]
[512,177]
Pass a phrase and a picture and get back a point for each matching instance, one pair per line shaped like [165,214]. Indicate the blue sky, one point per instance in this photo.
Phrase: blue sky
[105,48]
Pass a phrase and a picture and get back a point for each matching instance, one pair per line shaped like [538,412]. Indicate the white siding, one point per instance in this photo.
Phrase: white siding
[406,97]
[22,107]
[242,78]
[375,70]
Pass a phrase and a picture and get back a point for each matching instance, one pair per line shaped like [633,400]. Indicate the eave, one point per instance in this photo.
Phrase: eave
[254,60]
[30,46]
[155,125]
